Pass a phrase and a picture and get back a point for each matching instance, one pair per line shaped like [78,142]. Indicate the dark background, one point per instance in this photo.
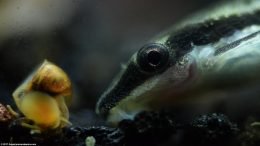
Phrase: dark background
[89,39]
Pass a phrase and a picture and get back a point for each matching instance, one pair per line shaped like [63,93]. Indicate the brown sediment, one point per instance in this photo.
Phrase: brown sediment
[5,115]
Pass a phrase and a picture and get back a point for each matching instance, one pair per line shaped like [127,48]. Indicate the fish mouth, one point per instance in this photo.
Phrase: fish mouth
[123,84]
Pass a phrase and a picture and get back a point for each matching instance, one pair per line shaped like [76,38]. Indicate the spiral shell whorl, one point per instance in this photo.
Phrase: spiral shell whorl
[51,79]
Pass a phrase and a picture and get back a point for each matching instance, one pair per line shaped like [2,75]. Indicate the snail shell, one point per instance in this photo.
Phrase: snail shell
[49,81]
[48,78]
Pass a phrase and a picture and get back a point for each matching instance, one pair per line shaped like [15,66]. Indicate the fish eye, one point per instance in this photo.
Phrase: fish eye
[153,57]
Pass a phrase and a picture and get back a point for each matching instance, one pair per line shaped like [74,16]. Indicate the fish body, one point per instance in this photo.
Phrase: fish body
[215,56]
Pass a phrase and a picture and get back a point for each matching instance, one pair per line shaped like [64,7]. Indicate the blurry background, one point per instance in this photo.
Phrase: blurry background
[89,39]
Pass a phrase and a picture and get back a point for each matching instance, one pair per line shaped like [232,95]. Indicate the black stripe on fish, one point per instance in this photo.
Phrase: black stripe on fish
[209,31]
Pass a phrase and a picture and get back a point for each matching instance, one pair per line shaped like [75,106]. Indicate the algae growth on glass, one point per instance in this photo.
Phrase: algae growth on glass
[126,73]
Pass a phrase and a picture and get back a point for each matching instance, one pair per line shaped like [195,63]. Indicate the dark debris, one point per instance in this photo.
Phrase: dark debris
[214,129]
[250,136]
[147,128]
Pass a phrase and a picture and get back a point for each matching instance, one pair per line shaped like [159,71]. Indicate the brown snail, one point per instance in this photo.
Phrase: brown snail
[43,98]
